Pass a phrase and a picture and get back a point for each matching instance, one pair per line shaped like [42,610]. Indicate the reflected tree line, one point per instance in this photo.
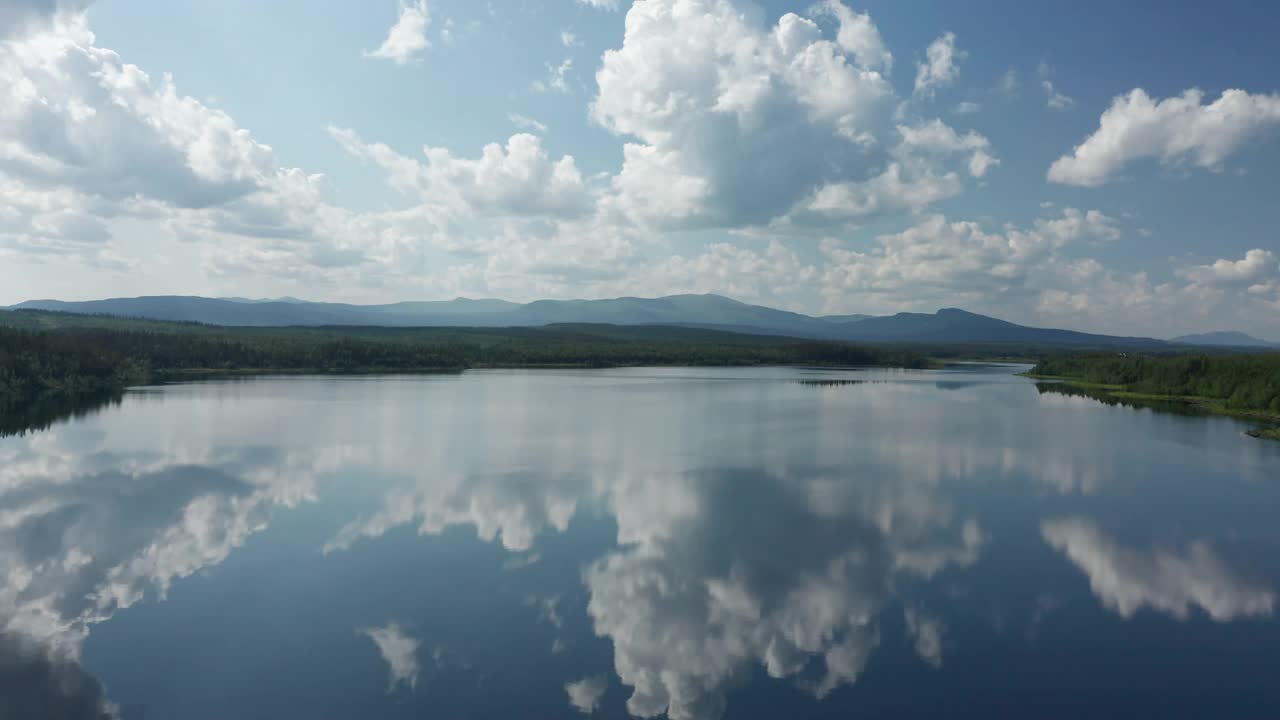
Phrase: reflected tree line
[54,365]
[1235,383]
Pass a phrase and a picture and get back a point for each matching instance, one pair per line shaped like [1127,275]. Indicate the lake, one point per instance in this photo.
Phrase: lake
[705,543]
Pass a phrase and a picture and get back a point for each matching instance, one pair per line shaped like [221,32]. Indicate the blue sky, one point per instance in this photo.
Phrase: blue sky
[1074,165]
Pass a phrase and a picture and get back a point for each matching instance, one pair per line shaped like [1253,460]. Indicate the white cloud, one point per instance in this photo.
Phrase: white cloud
[910,186]
[18,17]
[525,122]
[557,79]
[400,651]
[1055,99]
[859,36]
[518,178]
[91,142]
[568,38]
[1172,581]
[585,694]
[1173,130]
[408,36]
[738,124]
[1256,268]
[937,137]
[968,107]
[936,261]
[600,4]
[939,68]
[76,116]
[769,276]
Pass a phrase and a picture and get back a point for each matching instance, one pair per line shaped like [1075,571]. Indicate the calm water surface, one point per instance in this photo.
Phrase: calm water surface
[704,543]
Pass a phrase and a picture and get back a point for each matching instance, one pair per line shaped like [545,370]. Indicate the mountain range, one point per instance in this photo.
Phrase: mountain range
[949,325]
[1229,338]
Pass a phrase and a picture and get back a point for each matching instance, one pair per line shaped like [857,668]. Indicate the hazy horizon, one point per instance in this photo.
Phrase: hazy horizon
[1093,167]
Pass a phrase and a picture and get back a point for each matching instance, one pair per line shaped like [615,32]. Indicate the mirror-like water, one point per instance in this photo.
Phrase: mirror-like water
[703,543]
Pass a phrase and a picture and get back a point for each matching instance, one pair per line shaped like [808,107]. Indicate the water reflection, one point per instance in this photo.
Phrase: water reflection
[37,683]
[659,539]
[400,651]
[45,412]
[86,531]
[780,571]
[1170,580]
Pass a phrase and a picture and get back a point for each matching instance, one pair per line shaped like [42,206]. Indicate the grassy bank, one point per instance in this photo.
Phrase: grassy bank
[1243,386]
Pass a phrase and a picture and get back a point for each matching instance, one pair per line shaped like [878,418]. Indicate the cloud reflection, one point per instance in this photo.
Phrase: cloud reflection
[786,572]
[511,507]
[585,694]
[1127,579]
[86,531]
[37,683]
[400,651]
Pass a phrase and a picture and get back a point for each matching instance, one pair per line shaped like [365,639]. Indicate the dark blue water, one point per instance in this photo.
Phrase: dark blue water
[699,543]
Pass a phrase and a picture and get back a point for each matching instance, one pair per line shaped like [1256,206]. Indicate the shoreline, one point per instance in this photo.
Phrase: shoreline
[1270,430]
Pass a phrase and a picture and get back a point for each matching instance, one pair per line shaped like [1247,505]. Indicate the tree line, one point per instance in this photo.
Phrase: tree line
[1242,383]
[47,359]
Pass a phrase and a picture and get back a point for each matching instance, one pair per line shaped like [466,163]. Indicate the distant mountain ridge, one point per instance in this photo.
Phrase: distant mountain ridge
[950,325]
[1226,338]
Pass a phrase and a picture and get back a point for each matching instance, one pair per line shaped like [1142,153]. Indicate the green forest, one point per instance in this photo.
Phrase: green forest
[47,359]
[1245,384]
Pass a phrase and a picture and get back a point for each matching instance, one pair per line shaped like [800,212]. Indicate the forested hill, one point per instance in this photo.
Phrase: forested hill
[1237,383]
[48,356]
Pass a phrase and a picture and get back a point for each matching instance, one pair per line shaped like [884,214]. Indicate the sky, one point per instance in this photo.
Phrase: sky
[1111,167]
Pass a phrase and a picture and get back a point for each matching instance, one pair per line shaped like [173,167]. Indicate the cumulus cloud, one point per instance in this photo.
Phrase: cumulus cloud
[859,36]
[518,178]
[904,185]
[400,651]
[408,36]
[937,137]
[961,260]
[91,141]
[1258,267]
[1241,293]
[1174,130]
[736,120]
[1168,580]
[77,116]
[22,16]
[600,4]
[585,694]
[940,66]
[968,107]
